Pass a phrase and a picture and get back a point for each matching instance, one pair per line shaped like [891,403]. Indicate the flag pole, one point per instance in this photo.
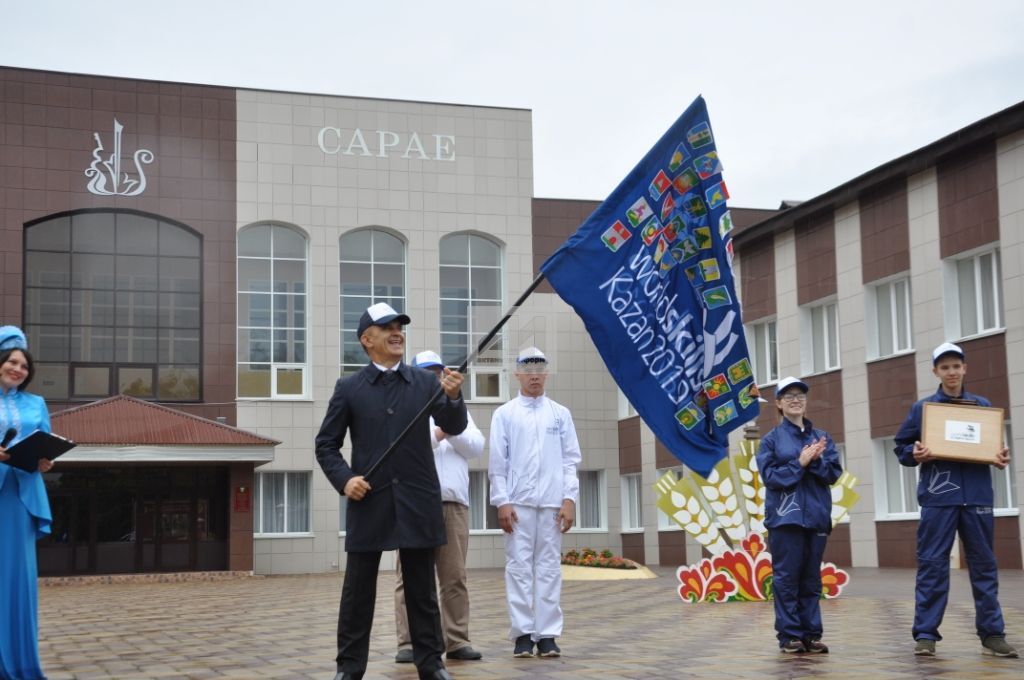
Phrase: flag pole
[462,369]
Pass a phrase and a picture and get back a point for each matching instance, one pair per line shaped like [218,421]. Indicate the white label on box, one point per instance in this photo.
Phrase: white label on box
[963,432]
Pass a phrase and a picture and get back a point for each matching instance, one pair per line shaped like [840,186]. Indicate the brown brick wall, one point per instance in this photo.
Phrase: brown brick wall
[1006,543]
[986,369]
[815,258]
[968,200]
[757,278]
[663,458]
[555,220]
[47,123]
[240,542]
[884,234]
[825,403]
[633,547]
[837,550]
[672,548]
[897,543]
[893,388]
[629,446]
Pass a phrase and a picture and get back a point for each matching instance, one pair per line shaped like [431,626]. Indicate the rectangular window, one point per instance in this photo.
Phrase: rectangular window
[666,523]
[764,354]
[632,504]
[1005,496]
[342,510]
[974,295]
[591,511]
[282,503]
[482,515]
[899,483]
[889,312]
[626,409]
[821,326]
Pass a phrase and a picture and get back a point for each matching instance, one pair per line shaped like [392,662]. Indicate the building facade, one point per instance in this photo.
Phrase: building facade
[207,251]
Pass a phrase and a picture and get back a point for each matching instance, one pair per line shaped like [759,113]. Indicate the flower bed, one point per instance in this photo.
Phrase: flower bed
[591,558]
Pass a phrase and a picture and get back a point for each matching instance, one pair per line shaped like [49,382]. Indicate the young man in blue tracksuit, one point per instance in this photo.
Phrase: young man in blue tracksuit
[954,497]
[798,464]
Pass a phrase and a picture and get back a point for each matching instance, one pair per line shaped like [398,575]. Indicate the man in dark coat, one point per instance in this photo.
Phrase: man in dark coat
[399,507]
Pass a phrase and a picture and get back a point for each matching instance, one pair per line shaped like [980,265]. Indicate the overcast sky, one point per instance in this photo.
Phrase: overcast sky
[802,96]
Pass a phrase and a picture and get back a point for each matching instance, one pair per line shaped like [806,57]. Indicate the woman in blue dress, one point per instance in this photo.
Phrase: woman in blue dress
[24,512]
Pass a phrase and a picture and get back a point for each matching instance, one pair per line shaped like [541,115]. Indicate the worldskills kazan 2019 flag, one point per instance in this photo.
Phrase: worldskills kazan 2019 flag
[650,272]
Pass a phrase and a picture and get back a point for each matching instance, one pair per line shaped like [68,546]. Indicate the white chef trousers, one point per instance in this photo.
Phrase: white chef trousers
[533,573]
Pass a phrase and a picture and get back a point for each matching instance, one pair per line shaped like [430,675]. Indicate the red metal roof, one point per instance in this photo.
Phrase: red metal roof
[127,421]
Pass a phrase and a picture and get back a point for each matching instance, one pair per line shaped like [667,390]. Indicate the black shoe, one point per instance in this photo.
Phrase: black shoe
[816,646]
[439,674]
[793,647]
[466,653]
[348,676]
[547,647]
[524,647]
[403,656]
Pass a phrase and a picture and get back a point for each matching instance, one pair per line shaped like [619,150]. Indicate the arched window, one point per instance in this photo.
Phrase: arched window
[371,268]
[272,275]
[113,306]
[471,305]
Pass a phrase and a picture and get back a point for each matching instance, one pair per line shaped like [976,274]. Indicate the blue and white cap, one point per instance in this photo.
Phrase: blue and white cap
[790,381]
[12,337]
[380,314]
[427,359]
[944,349]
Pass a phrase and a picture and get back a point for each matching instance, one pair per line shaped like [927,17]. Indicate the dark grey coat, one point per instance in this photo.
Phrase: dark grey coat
[403,508]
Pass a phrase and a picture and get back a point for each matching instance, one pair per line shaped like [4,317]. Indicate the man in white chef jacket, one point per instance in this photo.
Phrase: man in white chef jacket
[533,459]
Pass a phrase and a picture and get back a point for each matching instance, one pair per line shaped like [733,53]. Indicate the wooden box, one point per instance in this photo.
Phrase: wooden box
[971,434]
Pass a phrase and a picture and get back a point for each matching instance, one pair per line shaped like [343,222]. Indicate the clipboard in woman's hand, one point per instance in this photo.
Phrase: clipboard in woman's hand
[25,455]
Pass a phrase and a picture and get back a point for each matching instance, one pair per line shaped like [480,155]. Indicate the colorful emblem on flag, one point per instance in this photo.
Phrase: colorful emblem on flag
[748,395]
[717,297]
[689,416]
[638,212]
[740,371]
[725,413]
[688,245]
[660,250]
[686,180]
[709,269]
[668,261]
[725,224]
[673,228]
[615,236]
[651,231]
[699,135]
[659,185]
[716,386]
[716,195]
[679,158]
[668,206]
[693,274]
[707,165]
[728,253]
[694,206]
[703,236]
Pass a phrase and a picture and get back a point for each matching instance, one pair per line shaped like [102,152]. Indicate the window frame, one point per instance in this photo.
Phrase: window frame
[874,310]
[631,494]
[601,502]
[952,289]
[474,370]
[808,330]
[480,500]
[345,369]
[665,522]
[770,327]
[259,486]
[884,451]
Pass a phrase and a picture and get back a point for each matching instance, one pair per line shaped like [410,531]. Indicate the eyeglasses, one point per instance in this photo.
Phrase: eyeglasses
[794,397]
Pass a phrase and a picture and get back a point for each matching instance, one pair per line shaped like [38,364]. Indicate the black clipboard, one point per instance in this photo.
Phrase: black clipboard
[25,454]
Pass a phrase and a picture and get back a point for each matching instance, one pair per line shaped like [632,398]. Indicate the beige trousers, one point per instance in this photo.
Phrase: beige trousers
[451,575]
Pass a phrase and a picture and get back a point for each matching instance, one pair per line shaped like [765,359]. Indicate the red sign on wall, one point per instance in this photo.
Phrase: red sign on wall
[243,502]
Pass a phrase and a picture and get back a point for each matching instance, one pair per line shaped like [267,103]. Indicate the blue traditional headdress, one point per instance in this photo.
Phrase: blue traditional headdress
[11,337]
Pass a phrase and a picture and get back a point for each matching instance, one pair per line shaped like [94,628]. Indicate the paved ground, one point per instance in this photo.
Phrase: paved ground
[284,627]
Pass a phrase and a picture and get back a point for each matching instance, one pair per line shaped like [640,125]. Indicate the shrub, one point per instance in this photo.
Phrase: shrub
[590,558]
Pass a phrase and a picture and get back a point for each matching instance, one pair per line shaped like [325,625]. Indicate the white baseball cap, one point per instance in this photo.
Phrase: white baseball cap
[426,359]
[944,349]
[531,355]
[790,381]
[380,314]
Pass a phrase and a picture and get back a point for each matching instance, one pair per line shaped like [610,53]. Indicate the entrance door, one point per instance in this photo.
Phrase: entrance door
[167,533]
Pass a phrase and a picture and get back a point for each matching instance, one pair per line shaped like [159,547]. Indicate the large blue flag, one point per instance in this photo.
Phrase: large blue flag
[650,273]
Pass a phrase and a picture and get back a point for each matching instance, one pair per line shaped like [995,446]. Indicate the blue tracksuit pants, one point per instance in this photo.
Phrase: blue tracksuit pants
[796,581]
[935,533]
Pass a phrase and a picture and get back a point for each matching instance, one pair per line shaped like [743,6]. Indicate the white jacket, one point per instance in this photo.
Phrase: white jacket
[450,457]
[534,454]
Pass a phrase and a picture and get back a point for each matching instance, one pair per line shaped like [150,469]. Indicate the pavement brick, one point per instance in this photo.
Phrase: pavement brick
[284,627]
